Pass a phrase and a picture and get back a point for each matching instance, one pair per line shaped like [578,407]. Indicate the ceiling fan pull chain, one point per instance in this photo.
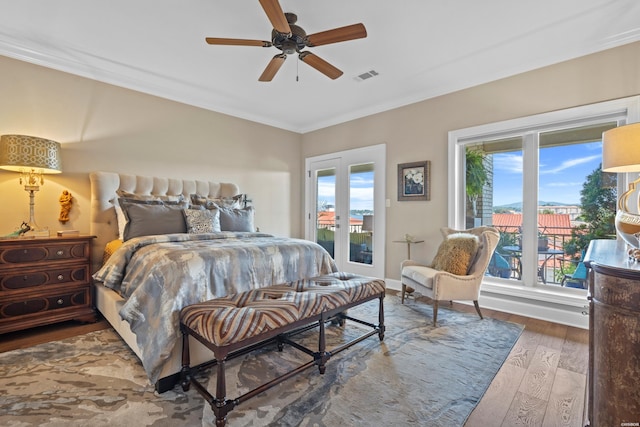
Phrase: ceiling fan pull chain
[297,69]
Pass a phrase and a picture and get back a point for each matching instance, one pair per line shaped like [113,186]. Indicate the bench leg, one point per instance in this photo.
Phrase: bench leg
[185,373]
[220,406]
[322,357]
[381,318]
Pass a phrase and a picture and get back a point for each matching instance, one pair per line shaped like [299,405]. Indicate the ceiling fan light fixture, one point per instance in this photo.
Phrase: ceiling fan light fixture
[290,38]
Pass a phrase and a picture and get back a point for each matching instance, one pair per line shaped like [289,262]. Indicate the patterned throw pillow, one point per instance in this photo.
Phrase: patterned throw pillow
[202,221]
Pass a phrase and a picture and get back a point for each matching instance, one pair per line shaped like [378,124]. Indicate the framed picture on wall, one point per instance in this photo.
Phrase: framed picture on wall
[413,181]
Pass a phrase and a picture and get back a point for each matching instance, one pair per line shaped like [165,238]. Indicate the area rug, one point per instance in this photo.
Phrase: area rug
[419,375]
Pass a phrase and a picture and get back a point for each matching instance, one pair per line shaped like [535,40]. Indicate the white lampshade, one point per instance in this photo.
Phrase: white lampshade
[621,149]
[21,152]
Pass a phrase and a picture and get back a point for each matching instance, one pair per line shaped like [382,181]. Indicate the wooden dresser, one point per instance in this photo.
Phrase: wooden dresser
[614,335]
[45,280]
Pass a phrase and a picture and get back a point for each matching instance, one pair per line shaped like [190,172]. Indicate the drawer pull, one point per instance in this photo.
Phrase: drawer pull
[60,277]
[60,301]
[60,252]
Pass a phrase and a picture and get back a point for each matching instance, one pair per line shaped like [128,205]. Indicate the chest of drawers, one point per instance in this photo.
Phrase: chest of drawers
[614,335]
[44,281]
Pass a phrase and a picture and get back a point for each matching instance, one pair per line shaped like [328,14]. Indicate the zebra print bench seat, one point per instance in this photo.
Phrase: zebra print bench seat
[237,324]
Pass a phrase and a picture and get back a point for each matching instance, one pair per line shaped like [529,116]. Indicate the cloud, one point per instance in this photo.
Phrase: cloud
[564,184]
[569,163]
[593,146]
[510,163]
[360,192]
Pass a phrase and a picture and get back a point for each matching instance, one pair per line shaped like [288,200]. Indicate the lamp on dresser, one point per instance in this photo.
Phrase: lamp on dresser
[621,154]
[31,157]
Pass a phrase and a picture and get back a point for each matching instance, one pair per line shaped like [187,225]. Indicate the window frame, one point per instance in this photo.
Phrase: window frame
[624,110]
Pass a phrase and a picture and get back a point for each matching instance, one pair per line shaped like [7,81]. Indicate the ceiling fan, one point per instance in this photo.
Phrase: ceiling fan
[290,38]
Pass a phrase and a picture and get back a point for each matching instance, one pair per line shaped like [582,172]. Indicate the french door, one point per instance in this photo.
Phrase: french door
[345,208]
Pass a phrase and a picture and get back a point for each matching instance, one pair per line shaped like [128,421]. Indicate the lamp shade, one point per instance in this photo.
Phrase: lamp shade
[20,152]
[367,223]
[621,149]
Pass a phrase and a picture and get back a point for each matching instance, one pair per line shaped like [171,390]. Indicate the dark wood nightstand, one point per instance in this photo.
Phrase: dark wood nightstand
[45,280]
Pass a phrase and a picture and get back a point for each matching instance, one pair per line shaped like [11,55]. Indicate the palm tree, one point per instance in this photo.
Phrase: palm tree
[476,175]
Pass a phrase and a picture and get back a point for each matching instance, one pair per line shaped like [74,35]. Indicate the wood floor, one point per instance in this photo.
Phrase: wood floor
[542,382]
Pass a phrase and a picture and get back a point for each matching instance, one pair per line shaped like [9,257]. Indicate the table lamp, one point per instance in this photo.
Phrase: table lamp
[367,227]
[31,157]
[621,154]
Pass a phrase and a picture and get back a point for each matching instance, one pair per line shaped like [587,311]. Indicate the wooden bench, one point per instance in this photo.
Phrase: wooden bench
[237,324]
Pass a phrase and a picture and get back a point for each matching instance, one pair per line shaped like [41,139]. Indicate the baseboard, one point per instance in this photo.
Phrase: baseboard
[565,310]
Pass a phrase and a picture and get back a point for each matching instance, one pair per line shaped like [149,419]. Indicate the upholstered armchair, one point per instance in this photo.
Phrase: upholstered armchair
[457,270]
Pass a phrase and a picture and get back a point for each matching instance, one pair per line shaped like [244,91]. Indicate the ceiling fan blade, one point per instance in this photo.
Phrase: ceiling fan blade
[321,65]
[272,68]
[350,32]
[275,14]
[238,42]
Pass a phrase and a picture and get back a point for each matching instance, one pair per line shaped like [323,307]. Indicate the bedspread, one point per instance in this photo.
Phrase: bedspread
[159,275]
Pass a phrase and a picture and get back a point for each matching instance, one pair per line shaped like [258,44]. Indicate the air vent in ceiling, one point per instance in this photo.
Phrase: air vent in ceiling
[367,75]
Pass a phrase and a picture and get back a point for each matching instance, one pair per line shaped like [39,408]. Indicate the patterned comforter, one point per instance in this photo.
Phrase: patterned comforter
[159,275]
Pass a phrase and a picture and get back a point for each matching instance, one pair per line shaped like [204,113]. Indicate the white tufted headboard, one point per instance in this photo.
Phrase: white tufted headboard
[104,185]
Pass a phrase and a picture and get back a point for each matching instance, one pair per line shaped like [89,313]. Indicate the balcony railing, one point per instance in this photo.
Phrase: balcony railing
[552,266]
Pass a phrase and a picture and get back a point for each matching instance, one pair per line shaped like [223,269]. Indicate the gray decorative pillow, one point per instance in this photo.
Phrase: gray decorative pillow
[167,199]
[235,202]
[150,219]
[139,198]
[121,219]
[202,221]
[237,219]
[134,196]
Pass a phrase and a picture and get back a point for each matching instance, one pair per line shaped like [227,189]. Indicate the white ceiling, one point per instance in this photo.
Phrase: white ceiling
[420,48]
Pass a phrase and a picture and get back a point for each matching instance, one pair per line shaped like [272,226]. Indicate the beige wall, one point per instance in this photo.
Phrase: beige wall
[419,131]
[103,127]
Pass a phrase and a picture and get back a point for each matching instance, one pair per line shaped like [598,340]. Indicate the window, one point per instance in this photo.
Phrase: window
[538,180]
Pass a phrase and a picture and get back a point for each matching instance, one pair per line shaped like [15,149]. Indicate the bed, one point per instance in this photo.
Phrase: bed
[144,283]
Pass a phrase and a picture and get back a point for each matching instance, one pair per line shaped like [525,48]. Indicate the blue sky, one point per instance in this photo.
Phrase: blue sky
[361,190]
[563,170]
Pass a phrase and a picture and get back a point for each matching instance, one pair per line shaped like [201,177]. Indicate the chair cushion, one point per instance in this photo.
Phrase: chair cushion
[420,274]
[456,253]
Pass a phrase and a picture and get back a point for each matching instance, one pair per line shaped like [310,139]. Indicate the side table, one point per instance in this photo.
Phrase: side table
[409,243]
[409,290]
[45,280]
